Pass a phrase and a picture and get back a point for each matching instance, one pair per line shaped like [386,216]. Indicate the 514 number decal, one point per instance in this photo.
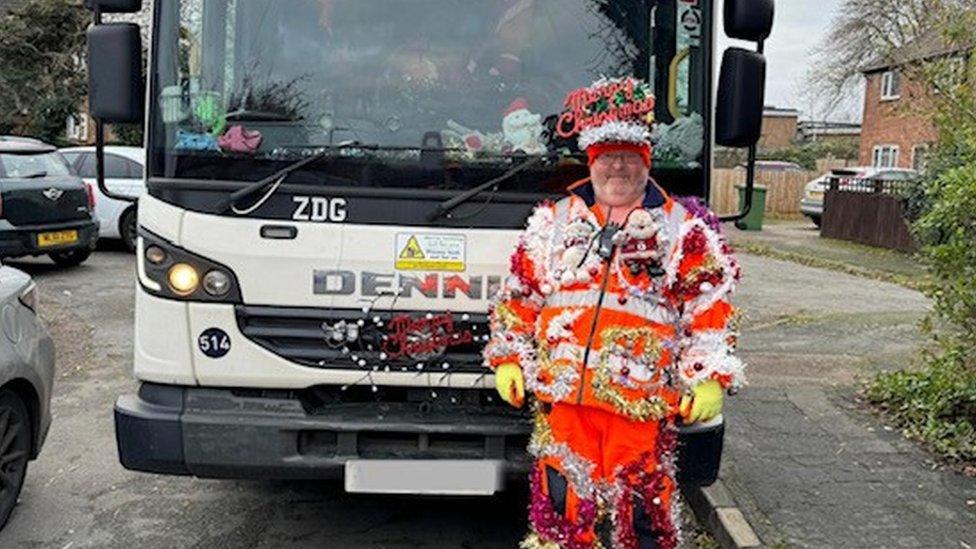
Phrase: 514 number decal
[214,343]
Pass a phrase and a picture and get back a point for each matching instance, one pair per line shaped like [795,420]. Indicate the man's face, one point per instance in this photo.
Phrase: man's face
[619,178]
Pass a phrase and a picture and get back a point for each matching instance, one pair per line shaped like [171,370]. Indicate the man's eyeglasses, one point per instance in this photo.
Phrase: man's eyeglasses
[628,159]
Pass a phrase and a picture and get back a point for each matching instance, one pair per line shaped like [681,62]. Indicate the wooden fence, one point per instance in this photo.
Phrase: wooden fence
[868,212]
[783,190]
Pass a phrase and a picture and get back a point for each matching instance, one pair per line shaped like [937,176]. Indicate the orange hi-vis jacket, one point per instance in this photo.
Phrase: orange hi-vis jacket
[661,327]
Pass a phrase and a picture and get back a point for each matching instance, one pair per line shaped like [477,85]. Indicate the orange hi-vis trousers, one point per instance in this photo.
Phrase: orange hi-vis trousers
[601,480]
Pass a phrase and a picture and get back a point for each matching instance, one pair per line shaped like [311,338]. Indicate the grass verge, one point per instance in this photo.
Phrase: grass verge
[934,404]
[919,282]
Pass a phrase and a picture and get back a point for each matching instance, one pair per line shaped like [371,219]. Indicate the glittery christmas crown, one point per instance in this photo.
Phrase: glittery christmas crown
[612,110]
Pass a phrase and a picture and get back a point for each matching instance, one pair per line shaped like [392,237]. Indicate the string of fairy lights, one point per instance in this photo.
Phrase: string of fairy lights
[372,326]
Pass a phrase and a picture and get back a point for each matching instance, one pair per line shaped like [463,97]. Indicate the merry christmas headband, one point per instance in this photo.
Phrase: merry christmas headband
[612,110]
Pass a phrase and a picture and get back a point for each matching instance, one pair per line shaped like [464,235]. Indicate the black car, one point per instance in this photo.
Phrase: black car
[44,210]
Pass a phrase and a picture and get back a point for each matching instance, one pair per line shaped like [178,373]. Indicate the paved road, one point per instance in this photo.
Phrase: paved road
[78,496]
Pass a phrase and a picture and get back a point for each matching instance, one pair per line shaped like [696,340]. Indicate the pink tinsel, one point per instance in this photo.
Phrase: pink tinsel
[553,527]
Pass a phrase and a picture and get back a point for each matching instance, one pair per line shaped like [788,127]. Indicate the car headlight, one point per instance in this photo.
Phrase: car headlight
[168,271]
[29,297]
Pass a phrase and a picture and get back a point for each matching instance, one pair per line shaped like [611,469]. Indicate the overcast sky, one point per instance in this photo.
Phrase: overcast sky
[798,28]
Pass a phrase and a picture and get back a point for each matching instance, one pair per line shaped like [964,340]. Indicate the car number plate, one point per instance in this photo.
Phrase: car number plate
[57,238]
[419,476]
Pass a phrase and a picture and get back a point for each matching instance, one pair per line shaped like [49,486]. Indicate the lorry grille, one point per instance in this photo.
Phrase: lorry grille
[305,336]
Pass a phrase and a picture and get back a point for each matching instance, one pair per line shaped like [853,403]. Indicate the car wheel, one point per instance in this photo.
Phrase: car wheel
[129,229]
[71,258]
[15,441]
[816,220]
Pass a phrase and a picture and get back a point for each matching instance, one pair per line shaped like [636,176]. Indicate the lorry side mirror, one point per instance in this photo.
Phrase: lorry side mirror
[749,19]
[741,94]
[115,73]
[114,6]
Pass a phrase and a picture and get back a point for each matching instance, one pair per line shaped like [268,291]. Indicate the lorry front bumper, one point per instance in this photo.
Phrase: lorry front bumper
[248,434]
[222,433]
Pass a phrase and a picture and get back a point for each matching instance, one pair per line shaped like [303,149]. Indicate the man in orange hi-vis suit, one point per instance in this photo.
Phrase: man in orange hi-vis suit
[616,316]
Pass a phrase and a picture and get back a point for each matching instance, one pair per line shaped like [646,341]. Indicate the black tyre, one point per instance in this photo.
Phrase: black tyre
[71,258]
[15,442]
[129,229]
[816,220]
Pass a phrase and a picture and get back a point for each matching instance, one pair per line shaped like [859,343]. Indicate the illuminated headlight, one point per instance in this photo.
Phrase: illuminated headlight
[183,279]
[216,283]
[168,271]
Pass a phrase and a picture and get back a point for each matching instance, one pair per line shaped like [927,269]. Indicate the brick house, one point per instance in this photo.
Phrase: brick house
[897,130]
[779,128]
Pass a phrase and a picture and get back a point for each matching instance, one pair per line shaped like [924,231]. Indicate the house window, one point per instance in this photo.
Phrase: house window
[76,127]
[920,155]
[890,81]
[885,156]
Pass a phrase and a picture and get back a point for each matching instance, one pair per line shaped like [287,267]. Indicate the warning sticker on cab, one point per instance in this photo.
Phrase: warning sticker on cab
[430,252]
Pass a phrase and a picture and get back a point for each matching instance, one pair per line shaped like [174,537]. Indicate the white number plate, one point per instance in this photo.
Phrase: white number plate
[417,476]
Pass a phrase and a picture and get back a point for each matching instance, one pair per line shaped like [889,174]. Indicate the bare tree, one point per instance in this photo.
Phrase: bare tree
[866,32]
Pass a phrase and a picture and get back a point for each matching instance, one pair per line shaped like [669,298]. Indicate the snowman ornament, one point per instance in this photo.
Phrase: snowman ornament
[522,129]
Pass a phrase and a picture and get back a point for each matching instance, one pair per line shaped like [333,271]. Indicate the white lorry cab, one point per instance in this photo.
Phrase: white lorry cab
[334,189]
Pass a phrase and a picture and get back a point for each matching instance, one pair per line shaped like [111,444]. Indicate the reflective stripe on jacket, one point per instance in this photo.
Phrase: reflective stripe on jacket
[662,327]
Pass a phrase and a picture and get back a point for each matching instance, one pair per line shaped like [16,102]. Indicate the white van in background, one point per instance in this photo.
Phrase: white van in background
[124,167]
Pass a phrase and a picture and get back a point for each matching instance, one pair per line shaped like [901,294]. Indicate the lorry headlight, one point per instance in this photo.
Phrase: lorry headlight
[170,272]
[155,255]
[183,279]
[216,283]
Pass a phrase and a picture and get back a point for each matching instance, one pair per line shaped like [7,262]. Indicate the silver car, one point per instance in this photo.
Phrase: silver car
[853,178]
[26,379]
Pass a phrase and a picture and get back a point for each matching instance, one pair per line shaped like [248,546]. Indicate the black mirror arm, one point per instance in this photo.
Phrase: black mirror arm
[100,140]
[750,185]
[750,177]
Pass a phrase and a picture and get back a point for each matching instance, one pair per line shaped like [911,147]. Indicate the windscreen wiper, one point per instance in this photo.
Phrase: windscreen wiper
[446,207]
[278,178]
[35,175]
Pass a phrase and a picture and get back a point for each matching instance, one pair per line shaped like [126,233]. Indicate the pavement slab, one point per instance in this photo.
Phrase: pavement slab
[807,466]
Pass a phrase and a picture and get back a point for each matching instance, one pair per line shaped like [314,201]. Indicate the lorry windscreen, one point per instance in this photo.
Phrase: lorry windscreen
[444,92]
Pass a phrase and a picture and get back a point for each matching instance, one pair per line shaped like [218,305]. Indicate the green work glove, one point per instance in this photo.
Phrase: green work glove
[704,404]
[510,384]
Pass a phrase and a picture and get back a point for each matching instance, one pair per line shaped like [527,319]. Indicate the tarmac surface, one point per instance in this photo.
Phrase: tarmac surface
[808,471]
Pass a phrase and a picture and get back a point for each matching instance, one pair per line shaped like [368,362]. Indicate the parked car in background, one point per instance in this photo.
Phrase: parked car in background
[811,205]
[123,175]
[858,178]
[26,380]
[776,166]
[44,209]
